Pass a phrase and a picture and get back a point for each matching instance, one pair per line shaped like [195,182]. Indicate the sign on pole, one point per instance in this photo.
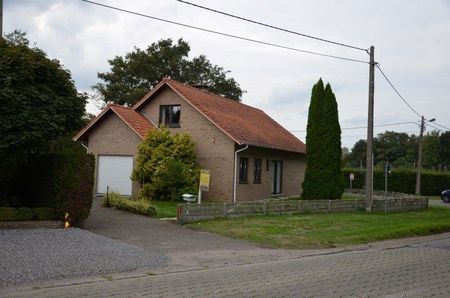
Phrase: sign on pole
[204,179]
[203,184]
[352,178]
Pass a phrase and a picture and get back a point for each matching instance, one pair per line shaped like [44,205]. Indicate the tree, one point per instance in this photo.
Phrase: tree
[444,147]
[38,101]
[166,165]
[137,72]
[323,177]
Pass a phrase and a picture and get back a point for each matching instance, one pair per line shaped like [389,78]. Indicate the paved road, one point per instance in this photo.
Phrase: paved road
[439,203]
[416,270]
[185,247]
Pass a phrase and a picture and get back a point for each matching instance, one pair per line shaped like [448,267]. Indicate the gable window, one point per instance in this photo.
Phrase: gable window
[257,171]
[243,169]
[169,115]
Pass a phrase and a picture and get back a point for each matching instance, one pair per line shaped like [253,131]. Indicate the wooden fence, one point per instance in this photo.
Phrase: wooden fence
[195,212]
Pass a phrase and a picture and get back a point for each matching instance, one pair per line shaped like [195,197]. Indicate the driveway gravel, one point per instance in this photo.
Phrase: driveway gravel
[43,254]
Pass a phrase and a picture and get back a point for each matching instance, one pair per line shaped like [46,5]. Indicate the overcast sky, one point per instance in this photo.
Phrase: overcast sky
[411,39]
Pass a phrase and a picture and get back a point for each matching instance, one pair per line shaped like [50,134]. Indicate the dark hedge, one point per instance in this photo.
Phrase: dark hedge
[401,180]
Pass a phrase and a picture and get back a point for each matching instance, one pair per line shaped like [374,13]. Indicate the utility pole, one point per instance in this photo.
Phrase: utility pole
[419,156]
[369,153]
[1,18]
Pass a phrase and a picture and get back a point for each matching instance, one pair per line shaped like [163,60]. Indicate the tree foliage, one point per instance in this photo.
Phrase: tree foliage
[38,100]
[401,149]
[323,177]
[134,74]
[166,165]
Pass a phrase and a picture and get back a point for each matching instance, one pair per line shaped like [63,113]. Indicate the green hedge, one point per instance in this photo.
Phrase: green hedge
[63,181]
[24,213]
[141,206]
[402,180]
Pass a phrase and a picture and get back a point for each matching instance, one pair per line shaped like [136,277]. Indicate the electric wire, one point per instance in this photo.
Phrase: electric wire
[396,91]
[444,127]
[360,127]
[272,26]
[225,34]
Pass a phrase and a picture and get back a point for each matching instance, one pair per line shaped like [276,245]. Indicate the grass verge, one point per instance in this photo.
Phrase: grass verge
[165,209]
[329,230]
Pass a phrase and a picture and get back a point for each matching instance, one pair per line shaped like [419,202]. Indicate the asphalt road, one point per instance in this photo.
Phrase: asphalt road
[418,269]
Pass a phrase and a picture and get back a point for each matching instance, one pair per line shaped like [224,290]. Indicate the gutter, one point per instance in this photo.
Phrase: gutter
[235,171]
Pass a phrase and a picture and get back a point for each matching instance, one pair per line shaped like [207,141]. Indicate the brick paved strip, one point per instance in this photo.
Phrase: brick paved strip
[408,271]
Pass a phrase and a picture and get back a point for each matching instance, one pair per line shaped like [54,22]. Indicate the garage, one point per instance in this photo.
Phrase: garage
[114,171]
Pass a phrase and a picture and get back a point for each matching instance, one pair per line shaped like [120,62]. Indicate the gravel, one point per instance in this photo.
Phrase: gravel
[48,254]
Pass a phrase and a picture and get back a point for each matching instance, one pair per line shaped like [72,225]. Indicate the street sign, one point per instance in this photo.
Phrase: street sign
[204,180]
[352,177]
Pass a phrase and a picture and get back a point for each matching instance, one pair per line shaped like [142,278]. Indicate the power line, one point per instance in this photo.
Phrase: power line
[428,124]
[398,93]
[404,100]
[225,34]
[442,126]
[272,26]
[360,127]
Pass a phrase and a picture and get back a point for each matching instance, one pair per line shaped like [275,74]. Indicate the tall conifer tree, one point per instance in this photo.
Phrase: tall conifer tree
[323,177]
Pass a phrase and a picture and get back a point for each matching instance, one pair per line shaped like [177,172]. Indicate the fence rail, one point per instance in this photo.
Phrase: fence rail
[195,212]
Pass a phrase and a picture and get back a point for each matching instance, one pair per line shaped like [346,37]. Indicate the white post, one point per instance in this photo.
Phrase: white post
[199,198]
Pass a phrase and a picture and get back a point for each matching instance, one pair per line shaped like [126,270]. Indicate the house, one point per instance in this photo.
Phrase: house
[250,155]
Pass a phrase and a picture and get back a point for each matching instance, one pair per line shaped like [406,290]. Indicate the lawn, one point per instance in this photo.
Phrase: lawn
[165,209]
[329,230]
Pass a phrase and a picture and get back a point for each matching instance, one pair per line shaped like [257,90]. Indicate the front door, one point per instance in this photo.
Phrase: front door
[277,176]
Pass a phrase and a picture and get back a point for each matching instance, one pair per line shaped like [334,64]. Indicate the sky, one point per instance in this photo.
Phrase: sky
[411,39]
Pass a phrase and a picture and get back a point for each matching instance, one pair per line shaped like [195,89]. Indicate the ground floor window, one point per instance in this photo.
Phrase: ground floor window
[277,176]
[257,171]
[243,169]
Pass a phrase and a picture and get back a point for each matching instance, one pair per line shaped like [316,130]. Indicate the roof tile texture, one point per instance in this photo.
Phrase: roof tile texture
[246,125]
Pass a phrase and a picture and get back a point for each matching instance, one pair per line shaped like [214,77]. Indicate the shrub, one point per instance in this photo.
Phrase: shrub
[7,214]
[166,165]
[45,213]
[402,180]
[24,213]
[63,180]
[140,206]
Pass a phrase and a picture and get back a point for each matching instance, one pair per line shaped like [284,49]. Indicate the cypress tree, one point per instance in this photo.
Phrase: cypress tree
[334,183]
[323,177]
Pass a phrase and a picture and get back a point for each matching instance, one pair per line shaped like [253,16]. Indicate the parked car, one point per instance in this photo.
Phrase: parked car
[445,196]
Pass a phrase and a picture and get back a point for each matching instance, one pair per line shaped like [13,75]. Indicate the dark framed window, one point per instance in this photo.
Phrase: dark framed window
[243,169]
[267,165]
[257,170]
[169,115]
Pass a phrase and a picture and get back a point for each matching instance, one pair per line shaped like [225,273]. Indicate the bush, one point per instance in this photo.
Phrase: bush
[45,213]
[24,213]
[402,180]
[143,207]
[7,213]
[63,181]
[166,165]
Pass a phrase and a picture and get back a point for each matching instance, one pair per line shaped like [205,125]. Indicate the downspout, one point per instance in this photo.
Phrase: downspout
[235,171]
[85,147]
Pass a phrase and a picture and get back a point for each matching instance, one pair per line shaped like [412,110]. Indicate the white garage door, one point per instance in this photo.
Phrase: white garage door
[114,171]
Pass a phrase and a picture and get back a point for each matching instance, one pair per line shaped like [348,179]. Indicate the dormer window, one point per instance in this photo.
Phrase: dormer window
[169,115]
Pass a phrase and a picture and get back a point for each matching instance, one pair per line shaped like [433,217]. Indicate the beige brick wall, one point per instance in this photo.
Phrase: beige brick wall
[214,149]
[113,137]
[292,174]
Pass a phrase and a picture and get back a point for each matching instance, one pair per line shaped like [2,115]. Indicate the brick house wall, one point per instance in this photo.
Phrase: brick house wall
[214,149]
[113,137]
[292,175]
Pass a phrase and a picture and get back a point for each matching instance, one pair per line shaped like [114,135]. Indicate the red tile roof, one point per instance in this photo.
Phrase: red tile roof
[244,124]
[138,123]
